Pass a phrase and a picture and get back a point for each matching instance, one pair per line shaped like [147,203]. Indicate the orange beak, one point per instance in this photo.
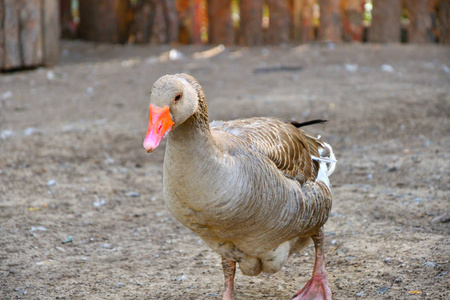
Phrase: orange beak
[159,125]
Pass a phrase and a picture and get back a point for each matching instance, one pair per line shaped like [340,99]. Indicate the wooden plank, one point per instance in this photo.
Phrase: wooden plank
[220,23]
[65,19]
[444,21]
[420,21]
[251,17]
[105,21]
[51,29]
[1,33]
[11,56]
[172,22]
[352,19]
[297,19]
[306,29]
[278,31]
[385,27]
[196,17]
[158,29]
[144,16]
[31,40]
[330,28]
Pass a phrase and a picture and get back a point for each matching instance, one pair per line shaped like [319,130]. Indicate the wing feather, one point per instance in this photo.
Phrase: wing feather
[295,153]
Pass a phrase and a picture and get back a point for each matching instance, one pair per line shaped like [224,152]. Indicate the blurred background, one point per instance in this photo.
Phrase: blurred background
[30,30]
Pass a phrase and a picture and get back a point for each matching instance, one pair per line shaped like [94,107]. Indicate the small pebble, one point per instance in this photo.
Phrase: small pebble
[351,67]
[382,290]
[50,75]
[392,169]
[6,95]
[132,194]
[119,285]
[181,278]
[30,131]
[446,69]
[429,264]
[68,240]
[387,68]
[6,134]
[349,258]
[39,228]
[51,182]
[174,54]
[99,203]
[361,294]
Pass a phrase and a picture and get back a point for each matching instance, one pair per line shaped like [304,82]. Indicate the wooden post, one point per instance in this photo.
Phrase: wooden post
[297,19]
[307,21]
[279,21]
[2,16]
[194,7]
[385,27]
[51,32]
[433,31]
[444,21]
[220,29]
[158,34]
[12,49]
[143,20]
[330,28]
[65,19]
[171,19]
[352,19]
[104,20]
[251,18]
[302,18]
[29,33]
[419,19]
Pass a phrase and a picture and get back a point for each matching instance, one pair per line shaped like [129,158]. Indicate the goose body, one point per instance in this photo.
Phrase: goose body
[255,190]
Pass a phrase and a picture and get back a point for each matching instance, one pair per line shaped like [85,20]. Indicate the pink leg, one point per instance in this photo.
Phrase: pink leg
[317,287]
[229,269]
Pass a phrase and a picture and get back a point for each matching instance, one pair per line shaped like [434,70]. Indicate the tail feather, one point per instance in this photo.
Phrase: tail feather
[327,162]
[307,123]
[332,165]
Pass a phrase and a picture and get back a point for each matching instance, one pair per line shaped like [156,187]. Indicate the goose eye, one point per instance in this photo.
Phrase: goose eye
[177,97]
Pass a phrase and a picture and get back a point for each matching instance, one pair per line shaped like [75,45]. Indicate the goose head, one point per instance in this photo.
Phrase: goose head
[173,100]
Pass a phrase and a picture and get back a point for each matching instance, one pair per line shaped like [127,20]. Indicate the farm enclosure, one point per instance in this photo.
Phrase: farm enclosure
[72,165]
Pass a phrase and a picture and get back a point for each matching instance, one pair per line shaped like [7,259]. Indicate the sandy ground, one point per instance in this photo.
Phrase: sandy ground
[81,208]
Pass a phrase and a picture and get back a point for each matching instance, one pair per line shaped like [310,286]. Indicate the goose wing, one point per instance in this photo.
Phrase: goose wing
[296,154]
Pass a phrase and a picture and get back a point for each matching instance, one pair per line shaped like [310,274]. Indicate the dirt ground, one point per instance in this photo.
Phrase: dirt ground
[81,209]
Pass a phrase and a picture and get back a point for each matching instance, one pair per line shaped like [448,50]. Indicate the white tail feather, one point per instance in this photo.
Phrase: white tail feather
[327,163]
[323,159]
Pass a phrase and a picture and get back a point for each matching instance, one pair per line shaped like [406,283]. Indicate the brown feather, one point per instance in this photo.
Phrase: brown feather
[288,147]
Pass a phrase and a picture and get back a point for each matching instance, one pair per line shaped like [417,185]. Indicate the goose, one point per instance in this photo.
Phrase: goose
[255,190]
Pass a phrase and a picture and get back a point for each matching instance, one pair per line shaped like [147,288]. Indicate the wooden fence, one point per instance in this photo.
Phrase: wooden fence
[30,29]
[257,22]
[29,33]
